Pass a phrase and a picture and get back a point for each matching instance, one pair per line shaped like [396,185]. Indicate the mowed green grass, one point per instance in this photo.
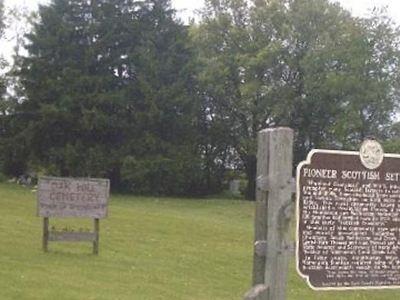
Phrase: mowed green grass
[150,248]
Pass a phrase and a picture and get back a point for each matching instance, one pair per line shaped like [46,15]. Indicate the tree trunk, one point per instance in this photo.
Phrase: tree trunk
[250,163]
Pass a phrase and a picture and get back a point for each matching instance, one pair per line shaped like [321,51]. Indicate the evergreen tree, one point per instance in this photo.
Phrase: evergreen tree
[107,95]
[165,156]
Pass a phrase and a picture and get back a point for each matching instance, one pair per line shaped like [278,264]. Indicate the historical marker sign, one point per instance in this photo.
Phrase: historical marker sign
[69,197]
[72,197]
[348,227]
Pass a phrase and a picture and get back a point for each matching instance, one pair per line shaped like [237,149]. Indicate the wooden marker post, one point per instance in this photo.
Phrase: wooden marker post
[273,211]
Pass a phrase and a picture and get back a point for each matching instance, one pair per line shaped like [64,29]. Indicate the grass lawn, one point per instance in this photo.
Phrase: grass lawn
[149,249]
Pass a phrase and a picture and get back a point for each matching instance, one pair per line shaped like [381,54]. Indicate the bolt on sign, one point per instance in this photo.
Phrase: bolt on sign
[75,198]
[348,219]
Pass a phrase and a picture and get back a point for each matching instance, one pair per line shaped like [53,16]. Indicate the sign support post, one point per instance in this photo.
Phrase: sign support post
[348,217]
[45,234]
[96,238]
[273,212]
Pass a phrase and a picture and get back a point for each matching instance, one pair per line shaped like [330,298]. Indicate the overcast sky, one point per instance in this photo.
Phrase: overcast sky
[358,7]
[187,7]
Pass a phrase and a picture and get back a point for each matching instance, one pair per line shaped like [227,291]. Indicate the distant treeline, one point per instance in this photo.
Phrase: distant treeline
[122,89]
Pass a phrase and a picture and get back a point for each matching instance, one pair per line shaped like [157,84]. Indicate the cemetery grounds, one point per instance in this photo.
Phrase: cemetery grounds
[150,249]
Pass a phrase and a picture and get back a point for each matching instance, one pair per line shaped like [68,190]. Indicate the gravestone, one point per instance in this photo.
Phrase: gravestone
[72,198]
[348,212]
[234,187]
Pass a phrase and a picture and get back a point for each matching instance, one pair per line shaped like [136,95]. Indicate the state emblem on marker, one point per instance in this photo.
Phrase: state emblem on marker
[371,154]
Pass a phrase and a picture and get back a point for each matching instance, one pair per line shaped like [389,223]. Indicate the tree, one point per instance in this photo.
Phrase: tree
[299,63]
[13,152]
[3,86]
[241,47]
[342,73]
[2,61]
[107,95]
[165,157]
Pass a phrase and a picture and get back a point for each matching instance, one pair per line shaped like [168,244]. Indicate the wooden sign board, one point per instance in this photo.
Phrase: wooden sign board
[348,225]
[70,197]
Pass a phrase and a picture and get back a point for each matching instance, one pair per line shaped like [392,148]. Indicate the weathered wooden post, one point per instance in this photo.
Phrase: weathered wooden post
[258,292]
[45,239]
[273,208]
[96,236]
[348,206]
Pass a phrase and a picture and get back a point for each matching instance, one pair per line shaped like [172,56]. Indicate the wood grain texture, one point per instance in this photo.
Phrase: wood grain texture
[260,222]
[72,197]
[258,292]
[97,236]
[71,236]
[45,238]
[279,173]
[273,207]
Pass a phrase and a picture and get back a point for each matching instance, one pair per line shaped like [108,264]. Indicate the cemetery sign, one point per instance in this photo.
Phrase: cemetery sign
[71,197]
[348,219]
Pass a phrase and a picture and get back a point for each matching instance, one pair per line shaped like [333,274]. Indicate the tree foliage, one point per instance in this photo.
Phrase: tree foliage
[121,89]
[107,89]
[2,61]
[305,64]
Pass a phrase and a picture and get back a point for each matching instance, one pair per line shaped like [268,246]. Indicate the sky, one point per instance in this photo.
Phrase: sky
[186,8]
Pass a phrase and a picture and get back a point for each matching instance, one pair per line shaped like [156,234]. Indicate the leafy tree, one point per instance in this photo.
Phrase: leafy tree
[299,63]
[343,74]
